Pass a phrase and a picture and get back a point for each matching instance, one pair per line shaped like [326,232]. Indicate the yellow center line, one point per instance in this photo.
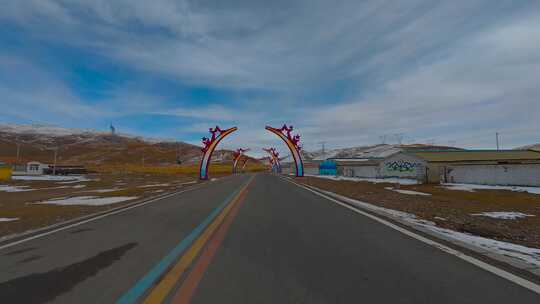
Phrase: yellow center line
[162,289]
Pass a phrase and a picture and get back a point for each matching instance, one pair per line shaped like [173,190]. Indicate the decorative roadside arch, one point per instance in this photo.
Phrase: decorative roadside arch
[245,163]
[274,156]
[293,144]
[237,155]
[271,163]
[210,145]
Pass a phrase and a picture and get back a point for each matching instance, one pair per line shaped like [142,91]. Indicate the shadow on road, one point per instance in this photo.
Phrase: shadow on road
[43,287]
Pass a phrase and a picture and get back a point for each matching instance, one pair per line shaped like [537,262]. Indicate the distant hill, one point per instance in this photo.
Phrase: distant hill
[90,147]
[375,151]
[535,147]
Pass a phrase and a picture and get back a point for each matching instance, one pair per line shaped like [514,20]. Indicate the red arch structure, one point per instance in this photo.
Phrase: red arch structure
[270,162]
[237,155]
[293,143]
[210,145]
[245,163]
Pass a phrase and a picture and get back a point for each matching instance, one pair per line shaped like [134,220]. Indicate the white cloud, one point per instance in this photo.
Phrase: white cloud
[450,71]
[30,93]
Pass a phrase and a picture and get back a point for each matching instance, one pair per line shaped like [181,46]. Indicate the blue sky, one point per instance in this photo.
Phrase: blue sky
[343,72]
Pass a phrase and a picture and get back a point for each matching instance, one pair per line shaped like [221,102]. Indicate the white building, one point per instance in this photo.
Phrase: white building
[36,168]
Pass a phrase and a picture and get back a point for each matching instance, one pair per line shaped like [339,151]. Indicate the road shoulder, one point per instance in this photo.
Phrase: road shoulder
[506,267]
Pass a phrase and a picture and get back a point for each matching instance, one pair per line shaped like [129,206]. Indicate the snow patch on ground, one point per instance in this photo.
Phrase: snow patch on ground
[526,254]
[66,178]
[154,185]
[8,219]
[401,181]
[188,183]
[6,188]
[472,187]
[88,200]
[503,215]
[410,192]
[63,187]
[106,190]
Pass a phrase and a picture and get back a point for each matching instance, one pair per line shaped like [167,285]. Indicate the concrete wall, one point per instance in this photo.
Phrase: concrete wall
[361,171]
[508,174]
[292,170]
[310,170]
[287,169]
[404,166]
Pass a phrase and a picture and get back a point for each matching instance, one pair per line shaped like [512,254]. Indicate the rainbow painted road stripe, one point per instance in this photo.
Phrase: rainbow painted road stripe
[157,285]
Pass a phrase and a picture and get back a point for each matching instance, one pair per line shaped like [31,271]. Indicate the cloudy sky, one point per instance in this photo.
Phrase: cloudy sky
[343,72]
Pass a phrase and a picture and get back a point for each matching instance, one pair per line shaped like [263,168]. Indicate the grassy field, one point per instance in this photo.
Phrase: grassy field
[23,199]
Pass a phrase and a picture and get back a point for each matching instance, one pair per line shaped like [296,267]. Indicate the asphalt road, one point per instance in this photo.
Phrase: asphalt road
[272,242]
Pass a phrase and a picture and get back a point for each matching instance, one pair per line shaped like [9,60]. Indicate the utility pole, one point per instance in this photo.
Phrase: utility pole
[323,150]
[143,158]
[497,139]
[177,153]
[383,139]
[55,157]
[18,149]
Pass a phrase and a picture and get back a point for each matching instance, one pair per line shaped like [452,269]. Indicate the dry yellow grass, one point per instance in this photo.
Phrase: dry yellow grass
[23,205]
[191,170]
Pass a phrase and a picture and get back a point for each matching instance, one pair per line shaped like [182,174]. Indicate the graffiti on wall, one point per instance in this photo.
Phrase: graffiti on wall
[401,166]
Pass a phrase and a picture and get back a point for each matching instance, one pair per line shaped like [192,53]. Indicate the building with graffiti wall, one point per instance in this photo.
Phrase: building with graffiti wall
[489,167]
[506,167]
[358,167]
[404,165]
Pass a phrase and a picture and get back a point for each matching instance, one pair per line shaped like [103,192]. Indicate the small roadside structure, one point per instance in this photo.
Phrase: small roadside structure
[487,167]
[328,167]
[358,167]
[35,168]
[65,169]
[5,172]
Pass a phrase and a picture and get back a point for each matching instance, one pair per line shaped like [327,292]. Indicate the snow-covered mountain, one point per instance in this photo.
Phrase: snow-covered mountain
[56,131]
[91,147]
[535,147]
[375,151]
[43,129]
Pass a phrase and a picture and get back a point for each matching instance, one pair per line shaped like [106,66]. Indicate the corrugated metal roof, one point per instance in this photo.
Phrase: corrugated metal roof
[477,155]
